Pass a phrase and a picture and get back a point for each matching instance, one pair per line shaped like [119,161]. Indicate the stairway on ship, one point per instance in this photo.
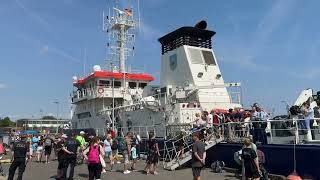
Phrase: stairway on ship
[172,158]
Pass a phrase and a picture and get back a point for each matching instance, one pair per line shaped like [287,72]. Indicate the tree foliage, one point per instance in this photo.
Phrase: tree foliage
[6,122]
[48,117]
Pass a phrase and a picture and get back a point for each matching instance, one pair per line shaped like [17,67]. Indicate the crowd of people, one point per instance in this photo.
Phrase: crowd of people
[235,123]
[73,149]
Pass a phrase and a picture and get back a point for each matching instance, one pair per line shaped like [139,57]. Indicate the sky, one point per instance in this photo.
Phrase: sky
[271,47]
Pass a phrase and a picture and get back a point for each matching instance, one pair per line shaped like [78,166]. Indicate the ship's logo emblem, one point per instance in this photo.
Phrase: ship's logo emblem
[173,61]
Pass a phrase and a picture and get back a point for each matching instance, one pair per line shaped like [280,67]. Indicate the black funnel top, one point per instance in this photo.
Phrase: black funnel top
[192,36]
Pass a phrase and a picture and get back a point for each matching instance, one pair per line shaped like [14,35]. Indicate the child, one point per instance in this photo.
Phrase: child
[134,156]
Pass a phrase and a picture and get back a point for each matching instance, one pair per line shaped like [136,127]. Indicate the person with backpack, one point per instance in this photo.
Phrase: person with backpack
[48,142]
[250,161]
[114,148]
[92,155]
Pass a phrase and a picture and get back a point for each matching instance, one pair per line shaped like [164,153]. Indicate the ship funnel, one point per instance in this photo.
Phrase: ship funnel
[201,25]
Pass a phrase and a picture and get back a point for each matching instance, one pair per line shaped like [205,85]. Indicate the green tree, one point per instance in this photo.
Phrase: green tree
[6,122]
[48,117]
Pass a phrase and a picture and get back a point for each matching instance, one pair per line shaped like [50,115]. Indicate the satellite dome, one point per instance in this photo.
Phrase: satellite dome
[96,68]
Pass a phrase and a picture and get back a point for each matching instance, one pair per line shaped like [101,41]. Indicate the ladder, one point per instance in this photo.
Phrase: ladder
[172,155]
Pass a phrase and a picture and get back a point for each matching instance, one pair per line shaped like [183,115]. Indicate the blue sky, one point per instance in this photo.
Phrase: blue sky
[272,47]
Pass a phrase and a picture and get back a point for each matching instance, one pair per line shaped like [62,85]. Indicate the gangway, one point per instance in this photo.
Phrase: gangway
[172,155]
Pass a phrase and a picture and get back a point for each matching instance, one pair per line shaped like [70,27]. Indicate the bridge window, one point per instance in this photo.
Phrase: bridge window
[132,85]
[142,85]
[117,83]
[104,83]
[208,58]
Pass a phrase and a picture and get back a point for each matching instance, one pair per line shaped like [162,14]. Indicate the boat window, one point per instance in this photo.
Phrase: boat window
[104,82]
[84,115]
[132,85]
[117,83]
[208,58]
[142,85]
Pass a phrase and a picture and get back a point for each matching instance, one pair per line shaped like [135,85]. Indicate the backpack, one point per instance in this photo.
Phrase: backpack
[94,154]
[48,142]
[114,145]
[217,166]
[121,145]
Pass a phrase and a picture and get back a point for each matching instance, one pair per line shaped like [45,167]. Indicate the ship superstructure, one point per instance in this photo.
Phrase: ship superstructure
[191,82]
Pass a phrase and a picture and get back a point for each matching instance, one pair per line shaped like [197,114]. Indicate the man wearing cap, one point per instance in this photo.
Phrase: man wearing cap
[81,139]
[20,149]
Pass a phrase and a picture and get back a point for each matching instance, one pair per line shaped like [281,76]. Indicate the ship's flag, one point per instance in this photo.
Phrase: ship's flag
[128,12]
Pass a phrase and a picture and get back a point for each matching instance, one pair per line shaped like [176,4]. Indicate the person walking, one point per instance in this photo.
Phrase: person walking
[20,149]
[61,156]
[126,152]
[70,148]
[198,156]
[153,155]
[39,149]
[48,142]
[107,150]
[134,157]
[92,155]
[250,161]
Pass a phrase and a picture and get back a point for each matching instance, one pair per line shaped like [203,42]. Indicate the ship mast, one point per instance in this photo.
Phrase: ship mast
[119,28]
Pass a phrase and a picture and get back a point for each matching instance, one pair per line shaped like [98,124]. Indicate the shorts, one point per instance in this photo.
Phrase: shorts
[196,171]
[107,154]
[94,171]
[47,150]
[126,158]
[39,149]
[152,159]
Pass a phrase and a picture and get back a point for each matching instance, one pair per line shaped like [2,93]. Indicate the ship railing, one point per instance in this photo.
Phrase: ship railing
[143,131]
[178,146]
[177,149]
[282,131]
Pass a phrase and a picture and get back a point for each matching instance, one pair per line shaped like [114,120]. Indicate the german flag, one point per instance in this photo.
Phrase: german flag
[128,12]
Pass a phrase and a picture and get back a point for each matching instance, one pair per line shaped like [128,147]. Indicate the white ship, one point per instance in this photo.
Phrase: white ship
[191,82]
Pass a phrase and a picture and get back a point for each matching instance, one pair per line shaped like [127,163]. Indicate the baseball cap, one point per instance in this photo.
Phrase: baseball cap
[82,132]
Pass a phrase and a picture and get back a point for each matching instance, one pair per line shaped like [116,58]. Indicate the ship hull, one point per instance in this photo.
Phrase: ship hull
[279,157]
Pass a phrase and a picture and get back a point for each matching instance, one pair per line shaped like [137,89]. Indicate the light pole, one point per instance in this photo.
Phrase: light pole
[57,103]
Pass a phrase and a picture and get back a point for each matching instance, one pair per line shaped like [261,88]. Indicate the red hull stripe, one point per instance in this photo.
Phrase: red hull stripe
[110,75]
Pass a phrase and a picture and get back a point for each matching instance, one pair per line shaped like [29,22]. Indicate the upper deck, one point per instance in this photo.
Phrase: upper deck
[109,84]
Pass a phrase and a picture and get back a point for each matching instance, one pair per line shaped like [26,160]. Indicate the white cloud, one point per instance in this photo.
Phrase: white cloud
[3,86]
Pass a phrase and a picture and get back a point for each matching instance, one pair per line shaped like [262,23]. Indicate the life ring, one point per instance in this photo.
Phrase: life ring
[100,90]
